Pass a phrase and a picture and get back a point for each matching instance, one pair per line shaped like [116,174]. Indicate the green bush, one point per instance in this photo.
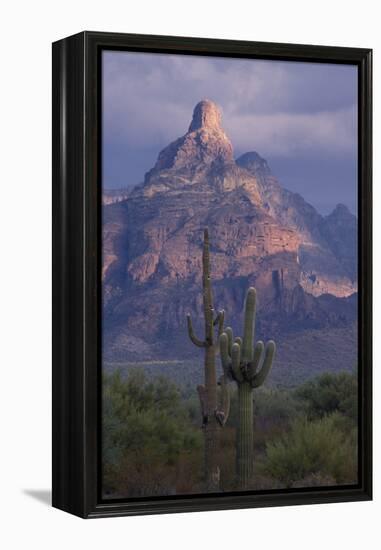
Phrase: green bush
[313,448]
[145,430]
[152,442]
[278,405]
[271,406]
[330,393]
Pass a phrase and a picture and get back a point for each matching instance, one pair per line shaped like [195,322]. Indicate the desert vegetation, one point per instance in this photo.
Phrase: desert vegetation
[156,443]
[153,445]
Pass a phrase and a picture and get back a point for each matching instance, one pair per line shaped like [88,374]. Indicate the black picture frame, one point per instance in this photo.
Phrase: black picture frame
[76,272]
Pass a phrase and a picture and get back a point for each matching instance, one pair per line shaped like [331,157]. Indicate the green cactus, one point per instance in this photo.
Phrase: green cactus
[214,414]
[241,360]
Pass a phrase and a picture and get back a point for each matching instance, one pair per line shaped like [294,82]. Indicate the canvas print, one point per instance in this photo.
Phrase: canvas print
[229,280]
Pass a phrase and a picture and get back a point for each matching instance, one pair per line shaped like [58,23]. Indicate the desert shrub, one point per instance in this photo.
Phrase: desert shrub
[275,404]
[330,393]
[191,403]
[271,406]
[310,449]
[145,431]
[273,411]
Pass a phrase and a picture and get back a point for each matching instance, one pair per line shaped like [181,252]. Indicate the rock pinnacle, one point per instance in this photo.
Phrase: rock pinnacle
[206,114]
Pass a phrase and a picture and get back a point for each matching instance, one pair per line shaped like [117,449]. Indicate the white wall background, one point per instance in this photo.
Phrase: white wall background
[27,29]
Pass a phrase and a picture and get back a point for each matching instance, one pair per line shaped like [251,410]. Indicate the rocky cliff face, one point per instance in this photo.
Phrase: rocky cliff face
[261,234]
[327,250]
[111,196]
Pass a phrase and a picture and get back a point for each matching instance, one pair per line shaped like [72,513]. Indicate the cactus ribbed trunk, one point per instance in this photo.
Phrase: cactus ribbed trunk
[212,469]
[212,427]
[214,417]
[245,435]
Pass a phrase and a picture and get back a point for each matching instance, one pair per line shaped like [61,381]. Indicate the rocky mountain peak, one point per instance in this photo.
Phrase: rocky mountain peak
[206,115]
[340,211]
[253,162]
[191,158]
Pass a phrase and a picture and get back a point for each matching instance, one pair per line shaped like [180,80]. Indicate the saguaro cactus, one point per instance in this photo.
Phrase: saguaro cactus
[242,361]
[214,414]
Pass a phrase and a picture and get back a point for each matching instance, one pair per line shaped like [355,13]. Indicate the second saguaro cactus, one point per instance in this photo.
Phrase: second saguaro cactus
[248,365]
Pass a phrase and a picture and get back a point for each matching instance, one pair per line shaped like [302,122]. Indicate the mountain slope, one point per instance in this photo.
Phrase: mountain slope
[327,254]
[261,234]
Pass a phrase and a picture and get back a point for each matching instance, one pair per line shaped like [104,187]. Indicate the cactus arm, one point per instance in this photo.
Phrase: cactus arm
[248,329]
[260,377]
[196,341]
[236,362]
[201,390]
[222,414]
[229,333]
[238,340]
[219,321]
[252,367]
[224,352]
[258,350]
[225,394]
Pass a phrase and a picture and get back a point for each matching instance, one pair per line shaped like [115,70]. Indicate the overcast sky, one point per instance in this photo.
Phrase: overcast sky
[301,117]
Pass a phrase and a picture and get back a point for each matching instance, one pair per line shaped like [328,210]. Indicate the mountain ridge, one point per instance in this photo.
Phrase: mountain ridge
[261,234]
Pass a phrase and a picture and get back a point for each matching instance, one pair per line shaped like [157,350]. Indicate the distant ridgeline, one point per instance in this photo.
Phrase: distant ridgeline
[303,265]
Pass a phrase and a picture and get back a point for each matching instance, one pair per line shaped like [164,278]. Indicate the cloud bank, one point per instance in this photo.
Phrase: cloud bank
[284,110]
